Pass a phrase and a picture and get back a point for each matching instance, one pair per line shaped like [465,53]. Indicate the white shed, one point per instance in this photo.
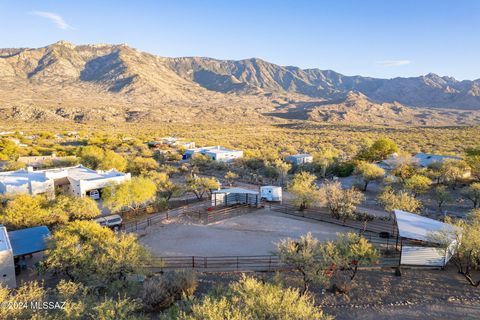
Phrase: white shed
[417,246]
[233,196]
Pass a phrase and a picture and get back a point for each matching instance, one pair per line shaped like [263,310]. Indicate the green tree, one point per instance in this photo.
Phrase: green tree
[342,203]
[271,172]
[404,171]
[141,165]
[165,186]
[230,177]
[304,190]
[94,255]
[442,196]
[472,193]
[25,211]
[112,160]
[369,172]
[345,255]
[454,171]
[322,263]
[8,150]
[325,159]
[283,168]
[91,156]
[463,241]
[132,194]
[379,150]
[29,291]
[473,160]
[418,184]
[304,255]
[401,200]
[200,186]
[75,208]
[252,299]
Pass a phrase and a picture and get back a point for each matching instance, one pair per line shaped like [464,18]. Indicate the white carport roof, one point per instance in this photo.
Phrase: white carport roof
[416,227]
[236,190]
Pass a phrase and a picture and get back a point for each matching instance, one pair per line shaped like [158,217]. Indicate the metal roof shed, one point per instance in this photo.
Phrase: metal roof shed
[28,241]
[232,196]
[417,247]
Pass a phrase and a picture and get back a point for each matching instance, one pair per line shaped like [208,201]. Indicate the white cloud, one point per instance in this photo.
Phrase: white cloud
[54,18]
[393,63]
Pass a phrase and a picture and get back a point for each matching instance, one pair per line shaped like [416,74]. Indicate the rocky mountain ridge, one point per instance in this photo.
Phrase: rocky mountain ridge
[67,82]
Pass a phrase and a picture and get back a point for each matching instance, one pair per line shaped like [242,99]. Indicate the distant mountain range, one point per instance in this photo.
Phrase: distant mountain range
[116,83]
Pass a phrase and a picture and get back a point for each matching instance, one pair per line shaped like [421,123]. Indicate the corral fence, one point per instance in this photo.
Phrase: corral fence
[258,263]
[379,225]
[382,233]
[219,263]
[214,214]
[203,213]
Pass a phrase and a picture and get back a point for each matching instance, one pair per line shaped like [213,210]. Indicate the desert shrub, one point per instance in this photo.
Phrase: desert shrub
[343,169]
[250,298]
[161,291]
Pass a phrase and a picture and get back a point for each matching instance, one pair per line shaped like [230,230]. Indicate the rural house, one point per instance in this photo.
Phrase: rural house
[216,153]
[76,181]
[299,159]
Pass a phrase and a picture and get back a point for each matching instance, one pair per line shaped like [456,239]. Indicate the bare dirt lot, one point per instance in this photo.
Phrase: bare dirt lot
[250,234]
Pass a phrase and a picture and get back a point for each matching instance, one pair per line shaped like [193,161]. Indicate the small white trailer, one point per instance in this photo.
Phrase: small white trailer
[7,265]
[271,193]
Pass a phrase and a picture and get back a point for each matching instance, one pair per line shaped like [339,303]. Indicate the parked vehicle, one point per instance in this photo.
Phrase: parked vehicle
[94,194]
[113,222]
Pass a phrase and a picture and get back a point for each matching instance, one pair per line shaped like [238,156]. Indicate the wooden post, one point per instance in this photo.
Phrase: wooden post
[193,262]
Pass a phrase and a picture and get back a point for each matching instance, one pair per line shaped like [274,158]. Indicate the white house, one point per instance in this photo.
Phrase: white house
[416,242]
[7,265]
[77,181]
[216,153]
[171,142]
[299,159]
[426,159]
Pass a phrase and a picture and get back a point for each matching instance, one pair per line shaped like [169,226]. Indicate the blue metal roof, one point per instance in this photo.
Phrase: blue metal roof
[27,241]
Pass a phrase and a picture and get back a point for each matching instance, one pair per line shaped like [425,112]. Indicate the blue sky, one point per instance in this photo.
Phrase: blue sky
[385,39]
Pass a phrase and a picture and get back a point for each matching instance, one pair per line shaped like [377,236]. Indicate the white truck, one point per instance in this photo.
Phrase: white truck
[271,193]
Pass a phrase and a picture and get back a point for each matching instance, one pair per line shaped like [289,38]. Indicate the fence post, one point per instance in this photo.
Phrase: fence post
[193,262]
[270,263]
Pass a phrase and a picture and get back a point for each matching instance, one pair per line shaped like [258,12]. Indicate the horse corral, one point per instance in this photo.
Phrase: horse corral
[254,233]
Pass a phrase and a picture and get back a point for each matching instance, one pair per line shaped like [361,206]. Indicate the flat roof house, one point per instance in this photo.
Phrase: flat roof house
[76,181]
[426,159]
[216,153]
[299,159]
